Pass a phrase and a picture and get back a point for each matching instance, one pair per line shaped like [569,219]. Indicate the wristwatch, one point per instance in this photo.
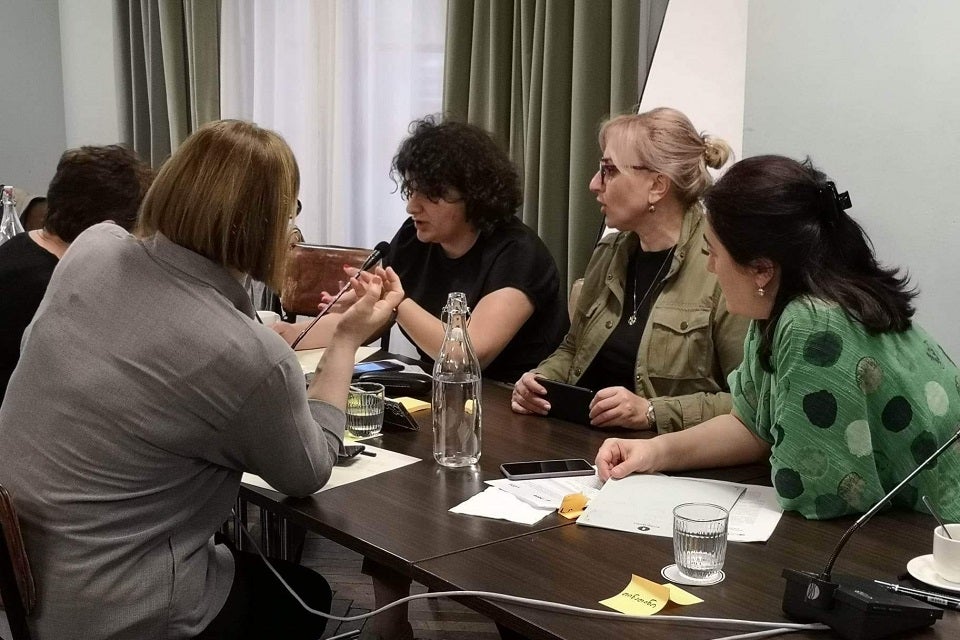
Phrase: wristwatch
[651,416]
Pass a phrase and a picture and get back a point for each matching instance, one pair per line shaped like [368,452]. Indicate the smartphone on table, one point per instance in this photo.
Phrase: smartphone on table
[547,469]
[567,401]
[376,366]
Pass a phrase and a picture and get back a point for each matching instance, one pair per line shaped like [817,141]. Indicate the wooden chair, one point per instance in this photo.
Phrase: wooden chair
[16,580]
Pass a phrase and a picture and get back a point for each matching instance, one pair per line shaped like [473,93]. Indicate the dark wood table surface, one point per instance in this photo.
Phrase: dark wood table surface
[401,517]
[582,565]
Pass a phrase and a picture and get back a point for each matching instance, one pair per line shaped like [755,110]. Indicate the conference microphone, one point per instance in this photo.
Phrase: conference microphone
[856,608]
[374,257]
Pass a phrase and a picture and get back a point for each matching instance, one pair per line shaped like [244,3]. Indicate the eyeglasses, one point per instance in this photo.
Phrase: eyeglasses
[610,169]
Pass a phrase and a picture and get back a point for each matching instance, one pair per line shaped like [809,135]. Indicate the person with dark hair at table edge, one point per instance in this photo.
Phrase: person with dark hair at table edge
[839,388]
[463,234]
[147,386]
[91,185]
[651,333]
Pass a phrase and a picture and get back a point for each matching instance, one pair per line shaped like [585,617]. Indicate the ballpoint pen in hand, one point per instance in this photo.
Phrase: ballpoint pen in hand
[930,597]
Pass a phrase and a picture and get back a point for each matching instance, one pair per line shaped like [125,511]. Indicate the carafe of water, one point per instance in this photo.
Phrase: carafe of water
[455,402]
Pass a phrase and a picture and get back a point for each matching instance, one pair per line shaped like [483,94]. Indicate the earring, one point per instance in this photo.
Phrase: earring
[652,209]
[760,291]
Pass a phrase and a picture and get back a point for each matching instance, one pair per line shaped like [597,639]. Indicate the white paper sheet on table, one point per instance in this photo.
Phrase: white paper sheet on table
[494,503]
[309,358]
[548,493]
[643,503]
[357,468]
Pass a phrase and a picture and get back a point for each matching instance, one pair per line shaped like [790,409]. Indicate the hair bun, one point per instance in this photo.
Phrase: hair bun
[716,151]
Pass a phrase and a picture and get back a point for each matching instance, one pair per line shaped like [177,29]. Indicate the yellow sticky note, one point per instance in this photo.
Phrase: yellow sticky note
[412,404]
[573,505]
[679,596]
[641,597]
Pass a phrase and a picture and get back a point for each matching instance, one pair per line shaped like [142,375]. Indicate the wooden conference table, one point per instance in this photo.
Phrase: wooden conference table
[400,518]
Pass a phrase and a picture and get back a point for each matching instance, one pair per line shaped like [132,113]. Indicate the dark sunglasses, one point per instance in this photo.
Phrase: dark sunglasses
[610,169]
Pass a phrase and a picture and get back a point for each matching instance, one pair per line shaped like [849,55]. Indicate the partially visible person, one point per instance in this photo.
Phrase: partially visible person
[462,196]
[32,208]
[839,388]
[146,387]
[651,332]
[91,185]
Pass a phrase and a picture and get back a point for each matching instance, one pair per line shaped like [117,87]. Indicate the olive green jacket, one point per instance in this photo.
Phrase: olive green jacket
[689,345]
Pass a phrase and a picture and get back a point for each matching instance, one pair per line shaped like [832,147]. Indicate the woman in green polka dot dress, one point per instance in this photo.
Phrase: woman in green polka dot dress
[838,387]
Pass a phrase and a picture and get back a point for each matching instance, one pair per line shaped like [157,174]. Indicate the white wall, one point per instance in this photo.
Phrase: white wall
[89,79]
[871,91]
[32,133]
[699,66]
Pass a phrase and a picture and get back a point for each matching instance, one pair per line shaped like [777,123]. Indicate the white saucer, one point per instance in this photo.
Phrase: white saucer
[672,574]
[922,569]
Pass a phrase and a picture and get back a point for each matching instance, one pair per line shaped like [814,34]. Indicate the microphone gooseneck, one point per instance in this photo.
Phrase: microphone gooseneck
[862,520]
[374,257]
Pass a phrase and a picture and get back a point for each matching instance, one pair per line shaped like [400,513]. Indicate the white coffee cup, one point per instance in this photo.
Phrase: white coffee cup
[268,317]
[946,553]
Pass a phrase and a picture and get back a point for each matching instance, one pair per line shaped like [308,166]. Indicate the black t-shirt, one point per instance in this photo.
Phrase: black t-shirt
[614,364]
[510,256]
[25,272]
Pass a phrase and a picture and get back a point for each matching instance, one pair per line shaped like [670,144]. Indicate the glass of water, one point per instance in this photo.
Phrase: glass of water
[699,539]
[365,409]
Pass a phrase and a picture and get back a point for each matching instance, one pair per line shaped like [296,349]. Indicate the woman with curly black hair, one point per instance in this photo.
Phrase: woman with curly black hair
[462,192]
[462,195]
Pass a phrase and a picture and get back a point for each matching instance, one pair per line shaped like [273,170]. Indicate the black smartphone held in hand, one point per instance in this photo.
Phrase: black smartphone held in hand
[376,366]
[568,402]
[547,469]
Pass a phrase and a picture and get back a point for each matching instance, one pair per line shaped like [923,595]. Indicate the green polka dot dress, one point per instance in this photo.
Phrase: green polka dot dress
[849,415]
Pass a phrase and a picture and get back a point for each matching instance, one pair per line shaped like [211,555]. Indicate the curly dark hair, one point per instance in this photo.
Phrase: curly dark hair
[439,156]
[94,184]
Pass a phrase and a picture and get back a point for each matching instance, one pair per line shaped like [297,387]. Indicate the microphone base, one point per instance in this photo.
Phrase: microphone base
[860,610]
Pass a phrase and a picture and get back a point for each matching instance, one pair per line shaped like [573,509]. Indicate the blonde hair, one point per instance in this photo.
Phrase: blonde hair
[227,193]
[666,142]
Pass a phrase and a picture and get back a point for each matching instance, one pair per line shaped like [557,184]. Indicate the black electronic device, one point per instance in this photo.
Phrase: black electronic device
[350,451]
[376,366]
[547,469]
[401,383]
[568,402]
[396,415]
[856,608]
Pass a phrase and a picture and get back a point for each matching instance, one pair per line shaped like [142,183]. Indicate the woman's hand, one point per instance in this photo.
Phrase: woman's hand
[618,407]
[528,396]
[376,294]
[618,458]
[287,331]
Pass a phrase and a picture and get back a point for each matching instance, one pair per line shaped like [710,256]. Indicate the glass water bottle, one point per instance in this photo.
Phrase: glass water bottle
[10,223]
[456,390]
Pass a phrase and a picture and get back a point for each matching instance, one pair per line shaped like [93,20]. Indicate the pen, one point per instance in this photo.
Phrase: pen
[927,596]
[372,454]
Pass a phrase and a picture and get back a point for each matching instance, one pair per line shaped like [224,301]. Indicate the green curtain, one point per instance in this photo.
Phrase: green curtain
[169,57]
[541,75]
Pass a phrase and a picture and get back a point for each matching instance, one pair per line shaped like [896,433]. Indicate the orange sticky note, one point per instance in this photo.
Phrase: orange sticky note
[573,505]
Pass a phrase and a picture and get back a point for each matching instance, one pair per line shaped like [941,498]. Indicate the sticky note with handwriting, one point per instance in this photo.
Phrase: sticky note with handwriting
[573,505]
[642,597]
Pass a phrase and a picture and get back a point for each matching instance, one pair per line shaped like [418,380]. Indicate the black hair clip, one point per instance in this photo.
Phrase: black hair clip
[834,203]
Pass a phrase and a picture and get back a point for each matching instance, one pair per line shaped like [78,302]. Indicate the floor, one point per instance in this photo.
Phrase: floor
[353,594]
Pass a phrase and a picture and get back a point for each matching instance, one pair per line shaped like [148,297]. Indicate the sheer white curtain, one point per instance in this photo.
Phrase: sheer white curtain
[340,80]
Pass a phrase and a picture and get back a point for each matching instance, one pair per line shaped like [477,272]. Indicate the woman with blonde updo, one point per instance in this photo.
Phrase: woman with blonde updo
[651,332]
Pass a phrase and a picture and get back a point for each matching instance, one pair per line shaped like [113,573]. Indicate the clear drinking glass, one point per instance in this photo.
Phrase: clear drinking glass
[699,539]
[365,409]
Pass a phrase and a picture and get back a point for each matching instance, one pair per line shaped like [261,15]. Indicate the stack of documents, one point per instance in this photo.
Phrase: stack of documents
[643,503]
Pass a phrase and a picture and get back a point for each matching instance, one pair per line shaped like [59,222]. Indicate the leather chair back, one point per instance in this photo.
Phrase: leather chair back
[16,579]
